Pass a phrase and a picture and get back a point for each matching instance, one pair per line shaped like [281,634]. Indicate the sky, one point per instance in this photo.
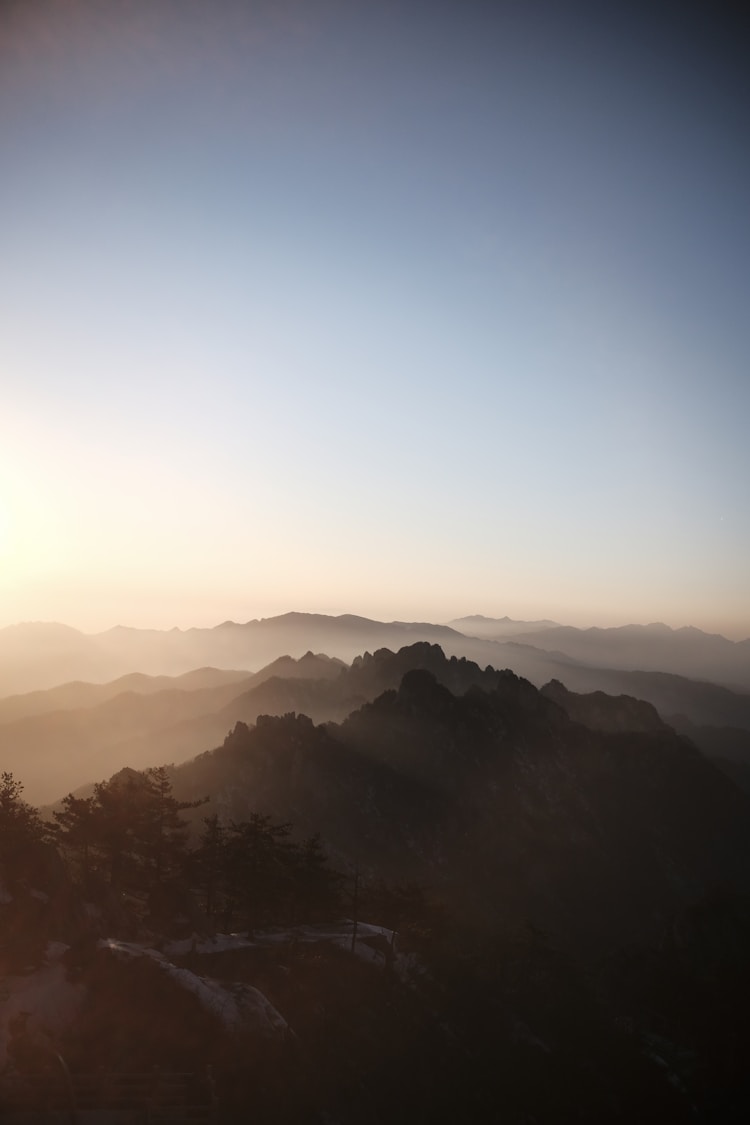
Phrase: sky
[411,310]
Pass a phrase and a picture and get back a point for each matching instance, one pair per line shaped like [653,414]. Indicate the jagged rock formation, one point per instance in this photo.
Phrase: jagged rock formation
[576,926]
[500,799]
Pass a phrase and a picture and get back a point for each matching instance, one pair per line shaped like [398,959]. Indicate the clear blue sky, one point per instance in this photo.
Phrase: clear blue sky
[409,310]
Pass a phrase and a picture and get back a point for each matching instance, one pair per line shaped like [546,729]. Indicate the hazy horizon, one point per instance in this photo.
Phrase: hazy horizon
[408,311]
[210,623]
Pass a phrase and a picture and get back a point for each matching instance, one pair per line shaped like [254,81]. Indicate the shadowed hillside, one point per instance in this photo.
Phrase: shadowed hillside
[540,911]
[59,750]
[421,781]
[139,721]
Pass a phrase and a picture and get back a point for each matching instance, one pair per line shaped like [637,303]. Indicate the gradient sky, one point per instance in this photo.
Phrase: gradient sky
[409,310]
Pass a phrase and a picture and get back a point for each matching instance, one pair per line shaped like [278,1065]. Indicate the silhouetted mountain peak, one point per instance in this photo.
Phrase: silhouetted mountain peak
[420,690]
[238,735]
[605,712]
[561,814]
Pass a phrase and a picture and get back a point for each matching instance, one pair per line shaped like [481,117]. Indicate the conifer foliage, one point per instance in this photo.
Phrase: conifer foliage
[21,828]
[129,832]
[253,873]
[131,835]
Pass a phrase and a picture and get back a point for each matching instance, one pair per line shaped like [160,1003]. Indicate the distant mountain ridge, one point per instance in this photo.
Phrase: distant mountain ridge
[36,656]
[653,648]
[79,693]
[76,732]
[39,656]
[497,628]
[54,751]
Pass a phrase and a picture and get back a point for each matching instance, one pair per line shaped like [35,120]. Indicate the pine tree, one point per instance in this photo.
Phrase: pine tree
[316,890]
[77,829]
[206,863]
[257,869]
[118,806]
[130,831]
[162,832]
[21,827]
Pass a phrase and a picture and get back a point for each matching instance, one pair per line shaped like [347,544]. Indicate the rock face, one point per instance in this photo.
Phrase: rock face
[502,801]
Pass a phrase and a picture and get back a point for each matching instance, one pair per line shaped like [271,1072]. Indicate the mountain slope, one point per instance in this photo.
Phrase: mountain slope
[80,694]
[653,648]
[37,656]
[58,751]
[502,802]
[703,703]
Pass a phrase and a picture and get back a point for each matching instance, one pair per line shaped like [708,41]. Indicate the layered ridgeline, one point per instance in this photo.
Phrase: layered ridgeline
[652,648]
[598,833]
[38,656]
[567,875]
[74,734]
[570,800]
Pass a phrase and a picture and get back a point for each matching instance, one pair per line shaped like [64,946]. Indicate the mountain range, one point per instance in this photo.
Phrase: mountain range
[76,733]
[598,833]
[37,656]
[569,870]
[651,648]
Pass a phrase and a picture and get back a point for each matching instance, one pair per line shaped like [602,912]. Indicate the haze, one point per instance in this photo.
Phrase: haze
[411,311]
